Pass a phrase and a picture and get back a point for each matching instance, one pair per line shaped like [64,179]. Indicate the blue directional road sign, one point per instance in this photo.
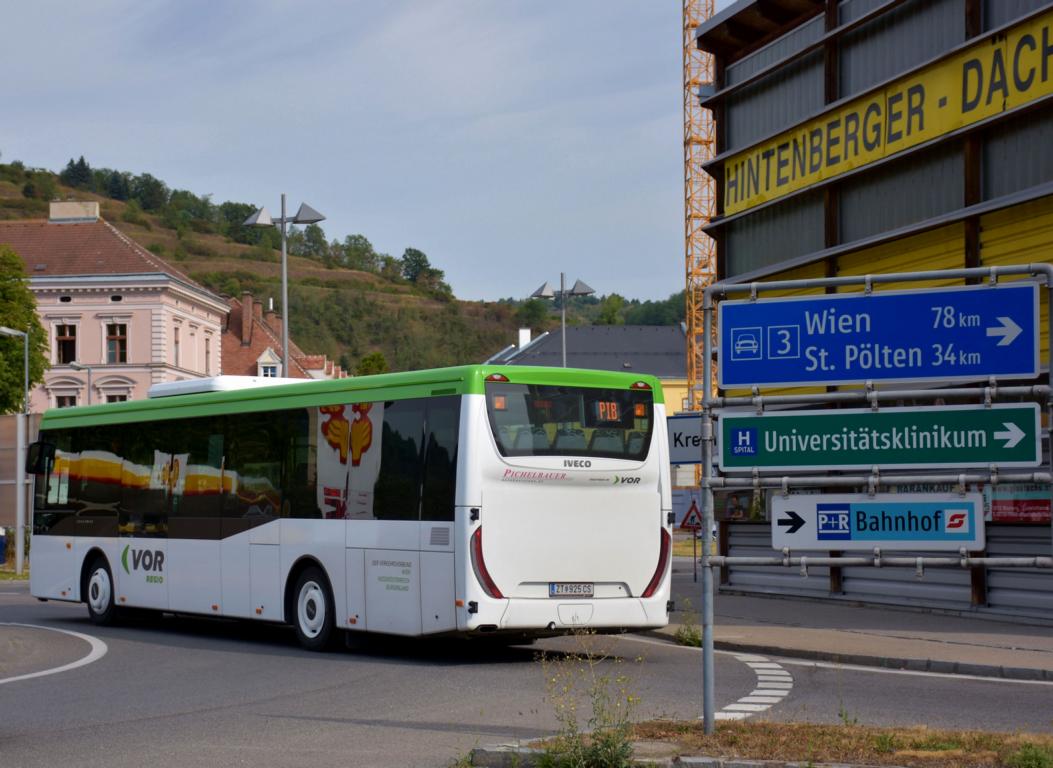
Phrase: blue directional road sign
[940,334]
[884,520]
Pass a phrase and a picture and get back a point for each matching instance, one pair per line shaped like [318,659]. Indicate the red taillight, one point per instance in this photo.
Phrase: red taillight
[479,566]
[496,377]
[640,385]
[663,561]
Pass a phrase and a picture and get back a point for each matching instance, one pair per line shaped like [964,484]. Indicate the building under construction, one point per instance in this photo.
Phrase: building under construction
[879,136]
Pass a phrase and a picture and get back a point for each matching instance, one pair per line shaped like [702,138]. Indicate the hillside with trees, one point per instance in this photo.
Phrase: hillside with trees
[366,309]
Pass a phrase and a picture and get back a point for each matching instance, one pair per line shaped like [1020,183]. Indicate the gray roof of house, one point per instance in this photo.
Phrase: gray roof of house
[660,350]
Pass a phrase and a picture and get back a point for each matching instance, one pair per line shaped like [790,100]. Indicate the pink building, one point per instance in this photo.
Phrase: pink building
[116,315]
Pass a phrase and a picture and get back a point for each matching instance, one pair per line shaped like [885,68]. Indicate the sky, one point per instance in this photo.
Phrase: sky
[509,140]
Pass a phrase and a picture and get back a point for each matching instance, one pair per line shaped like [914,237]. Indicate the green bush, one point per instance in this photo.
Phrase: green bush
[133,214]
[1030,756]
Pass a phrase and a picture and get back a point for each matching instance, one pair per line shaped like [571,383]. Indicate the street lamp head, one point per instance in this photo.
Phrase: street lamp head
[307,215]
[5,331]
[544,292]
[259,219]
[79,366]
[580,289]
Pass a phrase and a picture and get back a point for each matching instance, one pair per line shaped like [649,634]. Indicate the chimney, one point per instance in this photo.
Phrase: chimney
[246,318]
[524,337]
[73,212]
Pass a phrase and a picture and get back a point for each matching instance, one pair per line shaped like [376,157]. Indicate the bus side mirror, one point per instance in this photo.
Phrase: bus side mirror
[39,458]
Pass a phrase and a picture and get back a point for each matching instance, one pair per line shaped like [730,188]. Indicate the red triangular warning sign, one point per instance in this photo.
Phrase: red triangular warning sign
[693,519]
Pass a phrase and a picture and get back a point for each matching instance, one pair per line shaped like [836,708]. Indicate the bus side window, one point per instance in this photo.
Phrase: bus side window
[440,458]
[255,446]
[145,473]
[195,500]
[396,494]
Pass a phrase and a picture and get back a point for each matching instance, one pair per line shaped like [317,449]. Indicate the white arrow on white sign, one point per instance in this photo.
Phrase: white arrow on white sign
[1008,331]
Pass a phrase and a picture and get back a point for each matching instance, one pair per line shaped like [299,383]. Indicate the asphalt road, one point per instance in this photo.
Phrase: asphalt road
[182,692]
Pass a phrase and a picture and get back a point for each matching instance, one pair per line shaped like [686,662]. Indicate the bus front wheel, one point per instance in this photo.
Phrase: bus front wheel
[314,610]
[99,593]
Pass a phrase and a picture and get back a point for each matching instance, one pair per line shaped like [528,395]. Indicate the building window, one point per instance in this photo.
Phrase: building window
[175,345]
[269,371]
[66,343]
[65,401]
[116,343]
[116,398]
[208,355]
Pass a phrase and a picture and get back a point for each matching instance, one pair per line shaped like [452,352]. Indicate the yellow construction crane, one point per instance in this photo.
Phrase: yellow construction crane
[699,194]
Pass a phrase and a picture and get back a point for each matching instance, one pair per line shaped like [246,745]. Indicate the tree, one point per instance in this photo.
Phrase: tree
[18,311]
[390,267]
[359,254]
[151,193]
[374,362]
[668,312]
[77,174]
[41,185]
[532,313]
[414,264]
[315,245]
[611,310]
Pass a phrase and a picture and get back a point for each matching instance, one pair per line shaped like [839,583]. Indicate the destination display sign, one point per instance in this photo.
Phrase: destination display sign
[941,334]
[956,436]
[893,521]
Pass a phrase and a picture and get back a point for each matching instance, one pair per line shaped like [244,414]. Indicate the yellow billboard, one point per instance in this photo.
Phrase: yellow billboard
[999,73]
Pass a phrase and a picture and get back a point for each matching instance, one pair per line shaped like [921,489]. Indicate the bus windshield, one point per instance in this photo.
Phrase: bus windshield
[540,420]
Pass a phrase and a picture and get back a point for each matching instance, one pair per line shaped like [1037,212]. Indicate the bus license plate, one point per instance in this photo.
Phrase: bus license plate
[569,589]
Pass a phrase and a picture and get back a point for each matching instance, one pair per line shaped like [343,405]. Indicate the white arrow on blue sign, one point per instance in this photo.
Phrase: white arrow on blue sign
[941,334]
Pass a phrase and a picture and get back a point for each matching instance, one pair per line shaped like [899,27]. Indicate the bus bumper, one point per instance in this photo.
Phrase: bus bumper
[568,615]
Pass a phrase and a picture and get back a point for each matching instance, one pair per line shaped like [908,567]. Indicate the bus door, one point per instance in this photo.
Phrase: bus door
[194,515]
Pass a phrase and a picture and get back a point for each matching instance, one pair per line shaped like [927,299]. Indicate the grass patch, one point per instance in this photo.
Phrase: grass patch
[926,747]
[8,574]
[682,547]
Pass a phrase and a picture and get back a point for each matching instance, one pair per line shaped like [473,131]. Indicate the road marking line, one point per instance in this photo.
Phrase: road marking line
[914,673]
[98,650]
[773,685]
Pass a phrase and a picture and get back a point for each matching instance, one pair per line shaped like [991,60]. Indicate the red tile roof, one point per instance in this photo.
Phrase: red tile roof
[240,356]
[92,248]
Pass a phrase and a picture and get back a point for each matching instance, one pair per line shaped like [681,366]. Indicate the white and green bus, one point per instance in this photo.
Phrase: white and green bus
[474,500]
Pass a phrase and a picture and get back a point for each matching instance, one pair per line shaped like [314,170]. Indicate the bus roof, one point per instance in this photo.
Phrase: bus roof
[462,380]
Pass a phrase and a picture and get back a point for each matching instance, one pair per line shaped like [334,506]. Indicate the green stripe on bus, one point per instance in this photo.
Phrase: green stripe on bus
[461,380]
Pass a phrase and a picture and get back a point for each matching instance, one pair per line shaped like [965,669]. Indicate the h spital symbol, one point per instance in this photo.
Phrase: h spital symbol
[744,441]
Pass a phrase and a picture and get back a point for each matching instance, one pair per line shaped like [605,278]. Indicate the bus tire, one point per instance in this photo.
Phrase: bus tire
[99,593]
[313,610]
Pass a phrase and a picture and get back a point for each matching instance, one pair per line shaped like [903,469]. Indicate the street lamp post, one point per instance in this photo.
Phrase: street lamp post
[546,292]
[305,215]
[20,453]
[82,367]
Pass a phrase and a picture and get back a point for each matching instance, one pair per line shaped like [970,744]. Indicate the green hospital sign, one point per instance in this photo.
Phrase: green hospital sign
[959,436]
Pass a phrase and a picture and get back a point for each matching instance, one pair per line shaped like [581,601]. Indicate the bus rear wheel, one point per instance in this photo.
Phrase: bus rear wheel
[99,593]
[313,614]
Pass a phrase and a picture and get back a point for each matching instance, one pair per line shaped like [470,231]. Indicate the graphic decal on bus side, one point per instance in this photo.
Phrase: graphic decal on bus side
[348,459]
[145,560]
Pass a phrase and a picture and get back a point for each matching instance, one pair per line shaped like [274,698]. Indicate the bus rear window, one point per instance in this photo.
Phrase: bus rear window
[540,420]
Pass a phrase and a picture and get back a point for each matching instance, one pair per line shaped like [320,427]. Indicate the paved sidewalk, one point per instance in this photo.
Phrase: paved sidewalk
[870,635]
